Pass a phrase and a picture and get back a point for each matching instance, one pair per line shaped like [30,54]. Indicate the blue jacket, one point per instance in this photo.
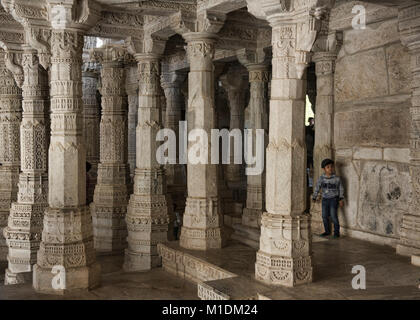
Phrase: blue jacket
[331,187]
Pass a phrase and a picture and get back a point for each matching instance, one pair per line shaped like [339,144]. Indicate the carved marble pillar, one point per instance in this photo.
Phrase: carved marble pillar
[91,120]
[235,86]
[257,118]
[284,257]
[409,26]
[10,119]
[202,223]
[147,214]
[176,179]
[67,239]
[324,120]
[110,199]
[132,89]
[23,233]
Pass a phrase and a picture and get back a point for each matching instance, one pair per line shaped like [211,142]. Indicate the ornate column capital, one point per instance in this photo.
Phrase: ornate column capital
[249,58]
[295,27]
[73,14]
[206,21]
[110,54]
[148,44]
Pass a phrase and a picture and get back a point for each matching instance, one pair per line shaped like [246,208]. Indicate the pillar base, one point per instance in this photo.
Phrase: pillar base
[317,225]
[252,217]
[199,239]
[11,278]
[283,271]
[284,258]
[75,279]
[109,229]
[136,262]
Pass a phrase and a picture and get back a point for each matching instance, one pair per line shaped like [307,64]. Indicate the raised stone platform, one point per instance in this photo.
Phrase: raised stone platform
[225,274]
[228,273]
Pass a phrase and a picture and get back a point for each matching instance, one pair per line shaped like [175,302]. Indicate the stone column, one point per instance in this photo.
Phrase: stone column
[176,179]
[91,120]
[324,120]
[23,233]
[256,118]
[202,223]
[10,119]
[284,257]
[409,26]
[147,213]
[111,193]
[67,239]
[234,85]
[132,89]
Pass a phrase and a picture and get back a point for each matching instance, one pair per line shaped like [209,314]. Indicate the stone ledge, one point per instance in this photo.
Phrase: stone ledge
[182,264]
[362,153]
[236,288]
[397,155]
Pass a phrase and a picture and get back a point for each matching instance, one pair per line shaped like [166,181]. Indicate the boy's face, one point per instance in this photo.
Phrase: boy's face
[329,169]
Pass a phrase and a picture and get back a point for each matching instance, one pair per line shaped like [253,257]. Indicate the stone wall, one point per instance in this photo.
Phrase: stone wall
[371,123]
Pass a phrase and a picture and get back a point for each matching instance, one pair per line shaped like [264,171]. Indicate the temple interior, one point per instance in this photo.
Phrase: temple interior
[170,149]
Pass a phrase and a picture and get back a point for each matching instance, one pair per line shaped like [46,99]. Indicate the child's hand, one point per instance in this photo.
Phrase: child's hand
[341,203]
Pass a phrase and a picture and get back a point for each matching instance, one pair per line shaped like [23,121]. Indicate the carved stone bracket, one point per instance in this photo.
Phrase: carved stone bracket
[13,62]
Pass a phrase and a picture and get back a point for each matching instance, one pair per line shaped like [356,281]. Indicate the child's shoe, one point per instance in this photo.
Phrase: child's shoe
[336,236]
[325,234]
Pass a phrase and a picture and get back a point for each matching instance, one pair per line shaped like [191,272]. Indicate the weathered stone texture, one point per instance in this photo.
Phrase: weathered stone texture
[342,16]
[375,35]
[398,64]
[374,127]
[361,76]
[384,194]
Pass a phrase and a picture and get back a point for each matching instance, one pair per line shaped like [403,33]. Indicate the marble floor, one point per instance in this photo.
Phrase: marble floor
[388,276]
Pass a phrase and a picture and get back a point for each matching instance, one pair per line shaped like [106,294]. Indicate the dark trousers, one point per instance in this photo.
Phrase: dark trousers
[330,209]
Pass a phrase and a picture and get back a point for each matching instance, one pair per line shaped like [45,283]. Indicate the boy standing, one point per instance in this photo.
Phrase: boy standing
[332,196]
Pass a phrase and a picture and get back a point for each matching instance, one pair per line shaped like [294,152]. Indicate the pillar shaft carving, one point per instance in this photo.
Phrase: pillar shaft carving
[234,85]
[67,238]
[10,120]
[256,118]
[132,89]
[147,212]
[23,233]
[409,26]
[91,121]
[111,193]
[175,173]
[202,223]
[284,257]
[324,118]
